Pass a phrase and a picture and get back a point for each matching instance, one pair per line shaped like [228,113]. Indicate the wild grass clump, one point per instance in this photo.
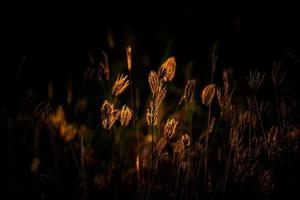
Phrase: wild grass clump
[212,141]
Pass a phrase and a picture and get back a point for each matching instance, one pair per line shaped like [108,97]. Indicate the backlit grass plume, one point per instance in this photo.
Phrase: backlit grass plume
[103,68]
[170,128]
[189,90]
[151,115]
[128,52]
[120,84]
[159,96]
[208,94]
[154,82]
[255,80]
[67,132]
[168,69]
[108,115]
[186,140]
[125,115]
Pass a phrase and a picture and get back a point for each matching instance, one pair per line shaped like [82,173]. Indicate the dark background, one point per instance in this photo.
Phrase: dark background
[57,44]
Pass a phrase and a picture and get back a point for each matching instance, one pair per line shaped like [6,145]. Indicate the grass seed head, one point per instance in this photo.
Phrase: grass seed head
[153,82]
[168,69]
[189,90]
[108,115]
[208,94]
[159,96]
[151,115]
[120,85]
[255,80]
[125,115]
[128,52]
[170,128]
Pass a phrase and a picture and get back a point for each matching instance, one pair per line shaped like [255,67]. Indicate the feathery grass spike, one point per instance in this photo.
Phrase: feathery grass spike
[128,52]
[255,80]
[125,115]
[168,69]
[159,96]
[108,115]
[208,94]
[153,82]
[189,90]
[170,128]
[151,115]
[120,85]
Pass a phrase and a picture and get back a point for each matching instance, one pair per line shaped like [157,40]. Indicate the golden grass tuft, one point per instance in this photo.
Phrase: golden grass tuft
[151,115]
[189,90]
[120,85]
[108,115]
[154,82]
[170,128]
[125,115]
[208,94]
[128,52]
[255,80]
[168,69]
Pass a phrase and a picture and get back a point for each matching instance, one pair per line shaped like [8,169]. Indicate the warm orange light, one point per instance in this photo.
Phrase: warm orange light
[137,164]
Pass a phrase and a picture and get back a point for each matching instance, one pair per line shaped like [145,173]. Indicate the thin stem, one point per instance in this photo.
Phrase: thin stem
[227,168]
[206,143]
[82,177]
[278,108]
[138,156]
[74,157]
[191,118]
[261,124]
[131,95]
[150,175]
[249,138]
[93,135]
[55,158]
[152,148]
[138,180]
[36,146]
[10,122]
[190,114]
[82,152]
[109,90]
[112,149]
[135,126]
[177,180]
[106,149]
[208,124]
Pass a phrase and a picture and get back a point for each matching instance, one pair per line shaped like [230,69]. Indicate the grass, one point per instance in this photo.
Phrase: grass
[232,139]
